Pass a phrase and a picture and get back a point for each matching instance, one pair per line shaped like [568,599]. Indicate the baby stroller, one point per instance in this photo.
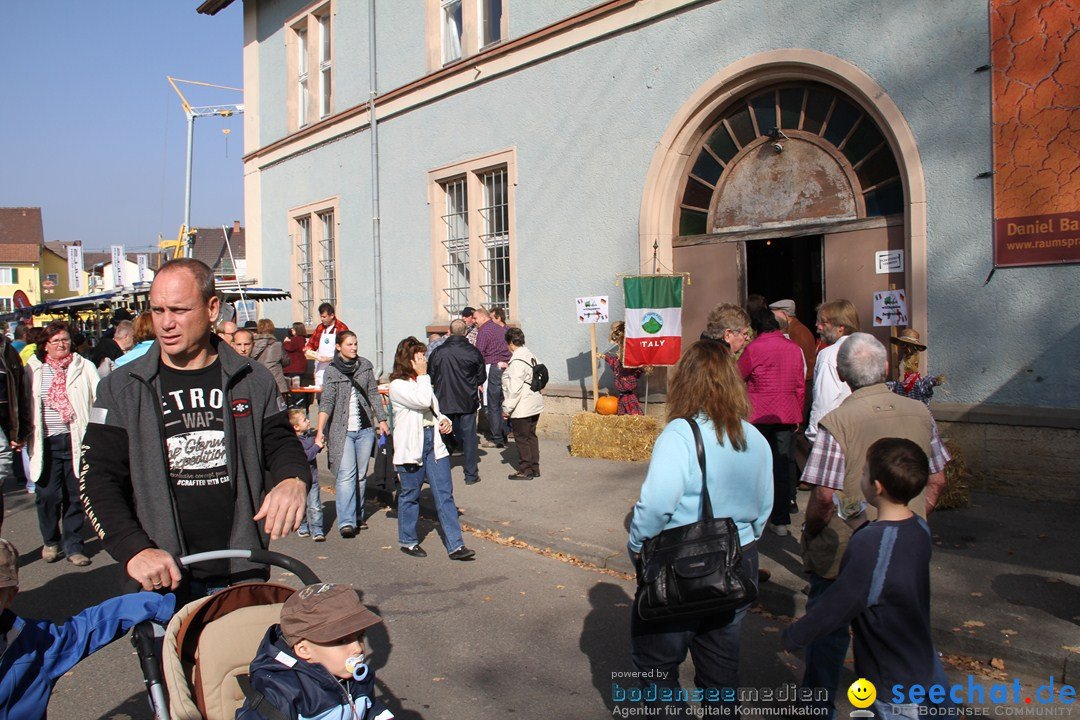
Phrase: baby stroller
[191,667]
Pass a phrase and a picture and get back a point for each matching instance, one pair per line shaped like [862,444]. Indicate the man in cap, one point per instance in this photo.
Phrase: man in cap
[468,314]
[316,652]
[784,310]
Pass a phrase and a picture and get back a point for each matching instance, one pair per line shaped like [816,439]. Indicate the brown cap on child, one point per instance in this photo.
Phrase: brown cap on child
[9,564]
[323,613]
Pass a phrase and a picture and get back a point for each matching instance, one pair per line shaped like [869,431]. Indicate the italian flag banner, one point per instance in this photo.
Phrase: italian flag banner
[653,320]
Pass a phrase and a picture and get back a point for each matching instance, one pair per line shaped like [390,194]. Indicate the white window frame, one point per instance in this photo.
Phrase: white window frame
[450,41]
[314,230]
[5,275]
[325,66]
[473,239]
[310,61]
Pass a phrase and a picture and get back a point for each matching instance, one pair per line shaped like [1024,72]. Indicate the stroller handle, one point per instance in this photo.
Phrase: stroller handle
[259,557]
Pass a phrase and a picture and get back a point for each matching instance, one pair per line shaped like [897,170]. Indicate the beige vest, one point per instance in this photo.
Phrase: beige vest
[869,414]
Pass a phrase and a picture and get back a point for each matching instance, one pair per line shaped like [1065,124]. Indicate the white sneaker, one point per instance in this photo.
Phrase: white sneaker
[781,530]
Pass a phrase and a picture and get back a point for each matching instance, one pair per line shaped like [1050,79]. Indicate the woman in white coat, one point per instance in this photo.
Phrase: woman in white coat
[522,405]
[64,386]
[419,452]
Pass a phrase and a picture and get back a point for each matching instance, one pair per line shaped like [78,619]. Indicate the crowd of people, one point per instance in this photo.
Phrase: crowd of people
[232,463]
[758,388]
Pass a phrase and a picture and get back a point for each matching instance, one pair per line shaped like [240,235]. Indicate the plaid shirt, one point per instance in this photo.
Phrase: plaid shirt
[826,465]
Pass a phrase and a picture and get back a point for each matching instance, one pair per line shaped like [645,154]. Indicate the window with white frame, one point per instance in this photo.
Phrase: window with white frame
[310,65]
[315,246]
[461,28]
[491,14]
[325,77]
[302,94]
[9,276]
[305,269]
[472,222]
[327,258]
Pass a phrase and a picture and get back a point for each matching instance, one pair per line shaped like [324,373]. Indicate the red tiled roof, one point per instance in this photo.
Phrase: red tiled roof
[21,226]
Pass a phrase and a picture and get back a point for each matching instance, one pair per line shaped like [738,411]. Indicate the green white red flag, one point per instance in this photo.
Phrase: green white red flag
[653,320]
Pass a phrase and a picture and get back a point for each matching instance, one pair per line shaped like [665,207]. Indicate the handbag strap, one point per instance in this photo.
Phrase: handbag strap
[706,504]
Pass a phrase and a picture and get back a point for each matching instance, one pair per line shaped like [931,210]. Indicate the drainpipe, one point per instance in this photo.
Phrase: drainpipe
[376,237]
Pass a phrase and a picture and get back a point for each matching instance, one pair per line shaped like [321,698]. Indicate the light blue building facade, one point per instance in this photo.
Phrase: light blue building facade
[530,151]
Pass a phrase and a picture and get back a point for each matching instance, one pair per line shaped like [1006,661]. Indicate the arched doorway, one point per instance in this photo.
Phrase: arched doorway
[783,176]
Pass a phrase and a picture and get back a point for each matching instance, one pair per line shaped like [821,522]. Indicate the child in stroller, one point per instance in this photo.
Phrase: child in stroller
[312,663]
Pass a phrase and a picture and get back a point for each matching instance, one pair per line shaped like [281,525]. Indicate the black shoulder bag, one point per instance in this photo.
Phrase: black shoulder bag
[696,569]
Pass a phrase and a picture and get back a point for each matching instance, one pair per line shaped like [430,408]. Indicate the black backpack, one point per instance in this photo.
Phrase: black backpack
[540,376]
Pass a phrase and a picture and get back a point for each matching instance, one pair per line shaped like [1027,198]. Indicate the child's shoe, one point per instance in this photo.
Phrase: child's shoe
[319,537]
[302,532]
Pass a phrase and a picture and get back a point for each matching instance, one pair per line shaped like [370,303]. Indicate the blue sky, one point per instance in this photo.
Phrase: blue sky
[94,135]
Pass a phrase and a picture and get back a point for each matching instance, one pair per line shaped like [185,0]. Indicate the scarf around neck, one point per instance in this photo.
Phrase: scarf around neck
[57,398]
[346,367]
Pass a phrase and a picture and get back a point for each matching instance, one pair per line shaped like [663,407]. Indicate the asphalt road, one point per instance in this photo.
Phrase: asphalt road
[512,634]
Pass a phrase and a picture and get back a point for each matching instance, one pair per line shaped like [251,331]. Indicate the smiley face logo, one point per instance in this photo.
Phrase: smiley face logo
[862,693]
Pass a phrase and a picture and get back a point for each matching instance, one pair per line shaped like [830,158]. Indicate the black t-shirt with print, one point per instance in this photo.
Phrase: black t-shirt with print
[192,402]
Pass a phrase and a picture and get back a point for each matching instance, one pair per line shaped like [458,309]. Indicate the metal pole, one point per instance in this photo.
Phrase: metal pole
[187,184]
[376,237]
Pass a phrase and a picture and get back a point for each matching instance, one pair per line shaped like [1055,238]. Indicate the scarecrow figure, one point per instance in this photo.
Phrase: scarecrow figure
[626,379]
[912,383]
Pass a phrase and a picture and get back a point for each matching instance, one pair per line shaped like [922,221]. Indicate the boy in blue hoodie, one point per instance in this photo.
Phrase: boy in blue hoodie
[313,520]
[311,664]
[883,589]
[35,653]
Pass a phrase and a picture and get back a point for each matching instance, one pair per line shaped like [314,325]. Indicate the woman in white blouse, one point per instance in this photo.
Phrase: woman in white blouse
[419,452]
[64,386]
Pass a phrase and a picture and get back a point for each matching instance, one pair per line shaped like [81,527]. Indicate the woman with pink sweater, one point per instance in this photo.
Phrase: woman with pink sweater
[774,370]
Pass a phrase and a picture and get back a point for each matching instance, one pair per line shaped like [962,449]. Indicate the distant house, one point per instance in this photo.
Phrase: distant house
[210,246]
[99,269]
[21,242]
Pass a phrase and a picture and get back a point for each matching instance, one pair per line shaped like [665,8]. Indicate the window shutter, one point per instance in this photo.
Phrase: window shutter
[14,276]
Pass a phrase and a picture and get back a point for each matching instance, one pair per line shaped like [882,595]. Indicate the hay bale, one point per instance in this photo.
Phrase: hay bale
[957,492]
[613,437]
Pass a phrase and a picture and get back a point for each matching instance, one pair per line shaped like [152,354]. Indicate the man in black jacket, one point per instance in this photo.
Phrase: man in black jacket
[16,414]
[189,447]
[457,372]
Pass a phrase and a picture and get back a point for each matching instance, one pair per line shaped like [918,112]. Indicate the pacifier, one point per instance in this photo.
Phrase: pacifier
[356,667]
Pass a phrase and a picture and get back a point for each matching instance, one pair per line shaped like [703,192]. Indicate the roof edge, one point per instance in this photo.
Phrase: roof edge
[213,7]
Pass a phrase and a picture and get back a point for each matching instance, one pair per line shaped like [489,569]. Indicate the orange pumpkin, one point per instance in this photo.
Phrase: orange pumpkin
[607,405]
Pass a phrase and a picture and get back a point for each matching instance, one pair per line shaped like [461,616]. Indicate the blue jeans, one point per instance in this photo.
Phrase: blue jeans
[313,520]
[660,646]
[412,477]
[353,467]
[465,434]
[497,425]
[824,656]
[888,711]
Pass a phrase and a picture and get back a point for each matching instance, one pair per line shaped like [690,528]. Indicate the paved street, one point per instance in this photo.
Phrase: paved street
[516,633]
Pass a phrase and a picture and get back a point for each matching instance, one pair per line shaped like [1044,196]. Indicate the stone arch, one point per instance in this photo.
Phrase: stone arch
[658,222]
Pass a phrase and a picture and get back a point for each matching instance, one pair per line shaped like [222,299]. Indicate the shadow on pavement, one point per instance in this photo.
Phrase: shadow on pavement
[605,636]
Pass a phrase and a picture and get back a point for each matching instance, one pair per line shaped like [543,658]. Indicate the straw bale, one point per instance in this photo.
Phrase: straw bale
[613,437]
[957,491]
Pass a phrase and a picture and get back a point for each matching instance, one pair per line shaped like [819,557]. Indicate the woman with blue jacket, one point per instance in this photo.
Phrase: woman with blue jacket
[705,388]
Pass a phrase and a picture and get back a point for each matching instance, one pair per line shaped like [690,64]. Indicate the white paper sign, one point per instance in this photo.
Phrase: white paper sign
[591,310]
[890,308]
[245,311]
[144,267]
[118,261]
[889,261]
[75,268]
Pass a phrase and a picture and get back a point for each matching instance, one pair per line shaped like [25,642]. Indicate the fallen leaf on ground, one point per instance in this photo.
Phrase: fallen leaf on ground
[997,663]
[487,599]
[437,679]
[974,623]
[976,594]
[770,629]
[1008,631]
[622,605]
[1071,648]
[971,665]
[560,587]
